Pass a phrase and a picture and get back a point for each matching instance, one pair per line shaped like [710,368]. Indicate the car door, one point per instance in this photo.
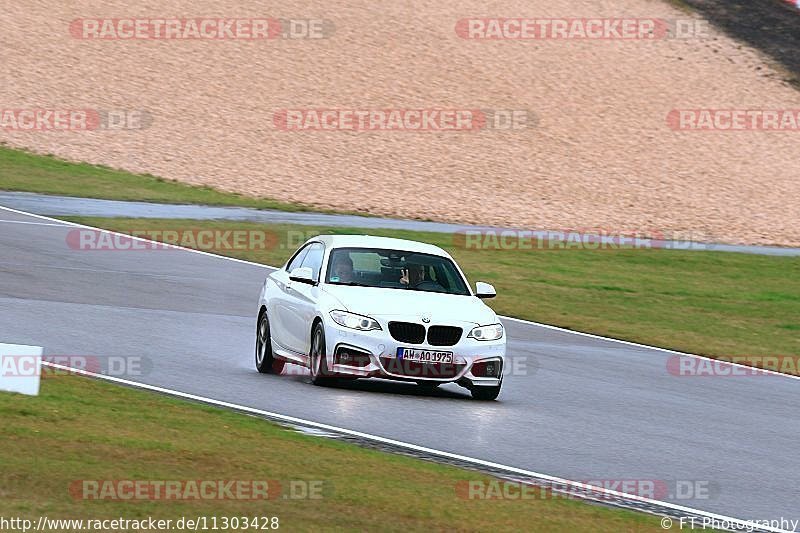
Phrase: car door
[302,299]
[279,305]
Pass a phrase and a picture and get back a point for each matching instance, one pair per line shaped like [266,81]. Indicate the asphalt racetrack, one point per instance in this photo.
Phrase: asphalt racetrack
[574,406]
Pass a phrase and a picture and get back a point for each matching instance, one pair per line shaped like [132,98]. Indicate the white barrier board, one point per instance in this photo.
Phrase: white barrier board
[20,368]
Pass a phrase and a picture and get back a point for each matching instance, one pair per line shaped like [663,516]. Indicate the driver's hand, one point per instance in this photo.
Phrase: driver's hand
[404,277]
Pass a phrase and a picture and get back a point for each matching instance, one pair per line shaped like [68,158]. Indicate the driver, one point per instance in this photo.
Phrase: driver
[413,275]
[342,269]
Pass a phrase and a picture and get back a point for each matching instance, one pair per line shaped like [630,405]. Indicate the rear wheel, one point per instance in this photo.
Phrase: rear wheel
[265,359]
[318,359]
[485,393]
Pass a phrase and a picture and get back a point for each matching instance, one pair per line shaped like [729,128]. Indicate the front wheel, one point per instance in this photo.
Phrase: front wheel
[265,359]
[485,393]
[318,359]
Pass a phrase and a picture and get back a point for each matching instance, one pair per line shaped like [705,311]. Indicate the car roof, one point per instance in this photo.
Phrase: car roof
[371,241]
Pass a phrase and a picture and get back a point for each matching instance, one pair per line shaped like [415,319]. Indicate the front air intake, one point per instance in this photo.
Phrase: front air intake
[407,332]
[444,335]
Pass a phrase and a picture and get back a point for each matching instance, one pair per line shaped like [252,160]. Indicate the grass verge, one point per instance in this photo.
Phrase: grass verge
[712,303]
[27,172]
[81,429]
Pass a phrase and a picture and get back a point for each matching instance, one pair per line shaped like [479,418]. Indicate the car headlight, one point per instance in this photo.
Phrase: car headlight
[487,333]
[354,321]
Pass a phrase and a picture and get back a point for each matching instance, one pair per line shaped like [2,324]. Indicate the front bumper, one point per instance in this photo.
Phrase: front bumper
[374,354]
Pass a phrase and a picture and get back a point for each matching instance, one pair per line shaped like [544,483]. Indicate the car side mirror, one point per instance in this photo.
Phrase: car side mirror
[302,275]
[484,290]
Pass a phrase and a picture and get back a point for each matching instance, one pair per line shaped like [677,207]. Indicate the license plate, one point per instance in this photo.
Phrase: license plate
[424,356]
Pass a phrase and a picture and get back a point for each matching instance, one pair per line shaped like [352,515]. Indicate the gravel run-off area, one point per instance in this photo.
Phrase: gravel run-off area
[599,155]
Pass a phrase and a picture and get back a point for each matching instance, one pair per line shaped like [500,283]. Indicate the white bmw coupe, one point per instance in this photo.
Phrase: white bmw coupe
[355,306]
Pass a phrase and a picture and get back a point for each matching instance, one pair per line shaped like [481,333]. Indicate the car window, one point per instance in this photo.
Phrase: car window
[297,260]
[395,269]
[446,277]
[313,259]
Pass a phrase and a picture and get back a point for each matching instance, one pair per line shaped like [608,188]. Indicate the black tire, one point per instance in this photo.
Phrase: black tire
[485,394]
[318,360]
[266,363]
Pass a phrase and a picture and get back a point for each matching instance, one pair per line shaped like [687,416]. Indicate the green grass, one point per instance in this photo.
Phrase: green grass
[713,303]
[27,172]
[80,429]
[682,5]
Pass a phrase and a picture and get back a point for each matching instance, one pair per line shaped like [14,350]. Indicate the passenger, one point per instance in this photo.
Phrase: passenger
[413,275]
[342,269]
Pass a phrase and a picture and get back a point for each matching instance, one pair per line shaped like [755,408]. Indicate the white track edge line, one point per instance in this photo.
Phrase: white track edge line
[415,447]
[521,320]
[28,223]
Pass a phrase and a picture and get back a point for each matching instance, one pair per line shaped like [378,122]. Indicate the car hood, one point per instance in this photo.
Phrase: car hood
[394,303]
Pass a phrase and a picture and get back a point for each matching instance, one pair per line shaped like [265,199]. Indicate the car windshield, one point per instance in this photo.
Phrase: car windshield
[394,269]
